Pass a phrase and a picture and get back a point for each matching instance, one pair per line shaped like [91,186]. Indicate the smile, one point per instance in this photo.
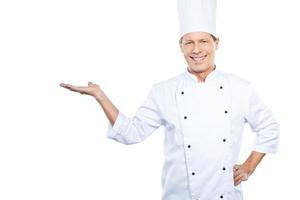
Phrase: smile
[198,59]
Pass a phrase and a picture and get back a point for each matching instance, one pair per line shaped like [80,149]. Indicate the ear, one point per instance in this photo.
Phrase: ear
[217,43]
[180,44]
[181,49]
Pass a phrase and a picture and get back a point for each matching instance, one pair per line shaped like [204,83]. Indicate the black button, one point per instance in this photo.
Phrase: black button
[193,173]
[221,87]
[224,168]
[226,111]
[189,146]
[221,196]
[185,117]
[182,92]
[224,140]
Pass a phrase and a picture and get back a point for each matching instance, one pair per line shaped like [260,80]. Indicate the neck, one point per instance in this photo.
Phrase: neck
[201,76]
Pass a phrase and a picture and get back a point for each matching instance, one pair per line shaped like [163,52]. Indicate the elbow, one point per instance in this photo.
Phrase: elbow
[131,142]
[268,138]
[133,138]
[128,138]
[133,132]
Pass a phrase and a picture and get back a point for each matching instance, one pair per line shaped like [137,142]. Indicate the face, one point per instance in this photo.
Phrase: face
[199,49]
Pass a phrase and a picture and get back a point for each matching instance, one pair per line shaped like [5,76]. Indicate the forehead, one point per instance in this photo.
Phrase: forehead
[196,36]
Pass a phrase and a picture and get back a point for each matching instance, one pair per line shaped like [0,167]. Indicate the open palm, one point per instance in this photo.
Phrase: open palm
[91,89]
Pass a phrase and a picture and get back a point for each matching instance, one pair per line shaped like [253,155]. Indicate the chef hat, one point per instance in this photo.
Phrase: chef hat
[197,16]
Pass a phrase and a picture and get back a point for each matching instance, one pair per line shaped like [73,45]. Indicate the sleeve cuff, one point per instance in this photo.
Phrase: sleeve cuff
[265,149]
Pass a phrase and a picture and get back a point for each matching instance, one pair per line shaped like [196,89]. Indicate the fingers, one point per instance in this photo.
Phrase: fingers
[68,86]
[236,170]
[241,177]
[236,167]
[238,180]
[74,88]
[239,174]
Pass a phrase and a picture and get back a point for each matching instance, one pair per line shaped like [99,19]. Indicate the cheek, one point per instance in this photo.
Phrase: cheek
[208,48]
[186,52]
[211,51]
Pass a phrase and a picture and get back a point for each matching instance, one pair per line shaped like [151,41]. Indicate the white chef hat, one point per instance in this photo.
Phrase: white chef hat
[197,16]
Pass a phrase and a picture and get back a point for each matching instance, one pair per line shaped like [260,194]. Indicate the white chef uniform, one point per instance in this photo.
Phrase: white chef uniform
[203,124]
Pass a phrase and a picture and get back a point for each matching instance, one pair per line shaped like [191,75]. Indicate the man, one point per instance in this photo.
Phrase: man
[203,111]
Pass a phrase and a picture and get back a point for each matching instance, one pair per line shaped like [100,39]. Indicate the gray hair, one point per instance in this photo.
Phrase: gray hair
[213,37]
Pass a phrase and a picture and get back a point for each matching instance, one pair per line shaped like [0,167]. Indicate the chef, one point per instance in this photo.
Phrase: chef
[203,111]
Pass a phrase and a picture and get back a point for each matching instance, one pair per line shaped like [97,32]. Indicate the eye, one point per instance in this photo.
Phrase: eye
[188,43]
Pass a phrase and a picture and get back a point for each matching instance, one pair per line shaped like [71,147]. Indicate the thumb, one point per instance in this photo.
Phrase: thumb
[90,83]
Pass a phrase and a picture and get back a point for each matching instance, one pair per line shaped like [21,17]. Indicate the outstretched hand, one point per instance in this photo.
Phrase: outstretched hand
[91,89]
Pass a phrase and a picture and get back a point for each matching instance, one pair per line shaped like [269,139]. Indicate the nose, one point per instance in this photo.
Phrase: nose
[196,49]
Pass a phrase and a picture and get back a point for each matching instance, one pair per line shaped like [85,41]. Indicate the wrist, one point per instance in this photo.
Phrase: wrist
[250,167]
[99,96]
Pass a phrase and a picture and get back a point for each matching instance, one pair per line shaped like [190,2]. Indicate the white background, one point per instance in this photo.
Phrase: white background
[53,142]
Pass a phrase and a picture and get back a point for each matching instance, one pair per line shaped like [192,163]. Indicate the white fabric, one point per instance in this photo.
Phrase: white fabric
[197,16]
[203,170]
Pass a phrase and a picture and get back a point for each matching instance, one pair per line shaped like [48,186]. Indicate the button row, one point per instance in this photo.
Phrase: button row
[193,173]
[185,117]
[224,140]
[189,146]
[221,87]
[221,197]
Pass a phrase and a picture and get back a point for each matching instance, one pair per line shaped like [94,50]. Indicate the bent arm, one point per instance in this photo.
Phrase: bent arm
[253,160]
[132,130]
[262,121]
[108,107]
[243,171]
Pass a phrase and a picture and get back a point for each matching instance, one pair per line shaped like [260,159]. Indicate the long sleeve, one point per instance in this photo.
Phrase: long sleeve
[262,122]
[131,130]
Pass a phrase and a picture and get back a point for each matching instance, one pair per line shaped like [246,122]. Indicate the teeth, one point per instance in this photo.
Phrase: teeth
[198,59]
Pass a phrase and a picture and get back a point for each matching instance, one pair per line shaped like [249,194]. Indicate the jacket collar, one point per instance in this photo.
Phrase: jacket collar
[194,78]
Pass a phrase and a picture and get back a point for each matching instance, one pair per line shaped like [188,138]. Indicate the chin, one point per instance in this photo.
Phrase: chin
[198,68]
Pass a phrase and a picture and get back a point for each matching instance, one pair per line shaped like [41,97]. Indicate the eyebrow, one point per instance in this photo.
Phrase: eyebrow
[198,40]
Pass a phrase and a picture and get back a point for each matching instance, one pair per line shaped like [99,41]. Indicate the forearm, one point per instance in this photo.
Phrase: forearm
[253,160]
[108,107]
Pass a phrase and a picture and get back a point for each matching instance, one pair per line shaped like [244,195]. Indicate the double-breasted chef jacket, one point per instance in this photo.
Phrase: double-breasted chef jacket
[203,124]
